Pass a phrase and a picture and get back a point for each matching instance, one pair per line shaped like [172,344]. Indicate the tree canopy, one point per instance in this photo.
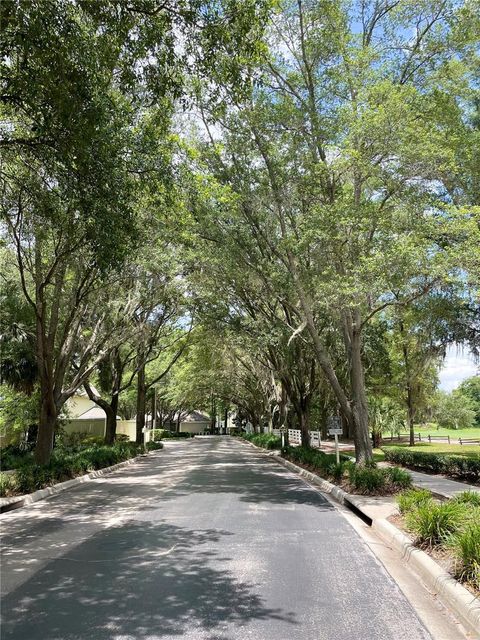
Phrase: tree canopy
[268,208]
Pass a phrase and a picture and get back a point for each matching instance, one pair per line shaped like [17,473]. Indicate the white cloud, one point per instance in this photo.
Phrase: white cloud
[457,366]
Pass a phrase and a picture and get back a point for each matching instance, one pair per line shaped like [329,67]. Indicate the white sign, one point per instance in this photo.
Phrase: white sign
[334,424]
[335,432]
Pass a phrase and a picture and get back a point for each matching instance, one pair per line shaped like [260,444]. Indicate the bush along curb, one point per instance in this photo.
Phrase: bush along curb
[9,504]
[464,604]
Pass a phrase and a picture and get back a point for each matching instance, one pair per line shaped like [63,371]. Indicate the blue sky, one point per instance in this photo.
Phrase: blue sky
[458,365]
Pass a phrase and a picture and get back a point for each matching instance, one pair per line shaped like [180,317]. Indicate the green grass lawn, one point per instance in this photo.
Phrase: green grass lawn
[454,434]
[467,451]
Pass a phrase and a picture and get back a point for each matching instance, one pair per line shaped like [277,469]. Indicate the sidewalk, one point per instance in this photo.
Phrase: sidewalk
[439,484]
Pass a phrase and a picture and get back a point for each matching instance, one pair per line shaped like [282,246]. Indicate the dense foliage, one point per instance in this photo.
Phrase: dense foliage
[460,467]
[452,525]
[63,465]
[369,480]
[264,440]
[253,208]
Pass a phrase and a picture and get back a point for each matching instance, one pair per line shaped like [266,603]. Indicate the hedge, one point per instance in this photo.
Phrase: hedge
[368,480]
[265,440]
[29,476]
[163,434]
[450,465]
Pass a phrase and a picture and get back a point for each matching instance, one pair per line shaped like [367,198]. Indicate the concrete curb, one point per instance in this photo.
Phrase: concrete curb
[41,494]
[465,605]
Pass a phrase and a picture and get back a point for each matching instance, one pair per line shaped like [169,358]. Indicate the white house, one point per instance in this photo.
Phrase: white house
[195,422]
[84,416]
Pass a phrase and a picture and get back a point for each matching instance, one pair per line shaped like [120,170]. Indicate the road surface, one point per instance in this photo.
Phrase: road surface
[207,539]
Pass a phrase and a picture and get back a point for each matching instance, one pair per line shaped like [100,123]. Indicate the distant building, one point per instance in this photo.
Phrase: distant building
[84,416]
[190,422]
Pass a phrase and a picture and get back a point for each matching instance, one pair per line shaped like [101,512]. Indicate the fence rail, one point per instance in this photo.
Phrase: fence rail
[294,436]
[315,439]
[419,437]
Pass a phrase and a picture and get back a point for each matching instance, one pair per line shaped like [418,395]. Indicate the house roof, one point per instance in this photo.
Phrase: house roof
[95,413]
[191,416]
[196,416]
[82,393]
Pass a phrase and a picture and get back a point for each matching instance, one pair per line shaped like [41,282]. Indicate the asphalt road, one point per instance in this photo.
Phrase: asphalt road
[205,540]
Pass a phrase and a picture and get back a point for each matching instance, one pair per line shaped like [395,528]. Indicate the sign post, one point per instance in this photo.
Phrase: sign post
[282,433]
[334,425]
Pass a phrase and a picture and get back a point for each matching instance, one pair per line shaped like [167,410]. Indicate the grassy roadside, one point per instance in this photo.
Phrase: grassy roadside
[473,432]
[448,530]
[466,451]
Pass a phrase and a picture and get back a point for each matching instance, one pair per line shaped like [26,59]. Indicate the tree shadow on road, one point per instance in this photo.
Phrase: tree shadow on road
[159,581]
[249,476]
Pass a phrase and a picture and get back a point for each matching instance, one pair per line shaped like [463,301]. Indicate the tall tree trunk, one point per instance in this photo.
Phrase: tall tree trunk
[110,408]
[47,422]
[304,423]
[111,421]
[213,415]
[361,436]
[141,404]
[48,410]
[282,407]
[408,387]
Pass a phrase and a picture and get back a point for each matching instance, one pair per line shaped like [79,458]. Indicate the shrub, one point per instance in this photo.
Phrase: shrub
[452,465]
[367,479]
[265,440]
[399,478]
[163,434]
[160,434]
[336,471]
[466,546]
[63,465]
[468,497]
[28,478]
[153,446]
[7,483]
[434,523]
[13,456]
[411,499]
[76,440]
[121,437]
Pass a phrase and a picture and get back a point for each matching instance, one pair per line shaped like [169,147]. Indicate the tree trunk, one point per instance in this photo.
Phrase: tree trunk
[410,416]
[110,408]
[48,410]
[141,404]
[111,421]
[303,423]
[361,436]
[408,387]
[46,426]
